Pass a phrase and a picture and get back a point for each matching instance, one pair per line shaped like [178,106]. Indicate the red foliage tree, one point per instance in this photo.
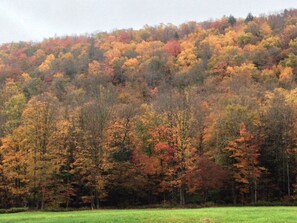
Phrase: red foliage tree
[246,170]
[172,48]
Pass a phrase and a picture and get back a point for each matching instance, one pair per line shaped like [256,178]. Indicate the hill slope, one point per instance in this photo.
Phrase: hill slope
[189,114]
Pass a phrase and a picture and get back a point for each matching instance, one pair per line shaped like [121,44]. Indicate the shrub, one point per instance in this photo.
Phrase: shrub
[13,210]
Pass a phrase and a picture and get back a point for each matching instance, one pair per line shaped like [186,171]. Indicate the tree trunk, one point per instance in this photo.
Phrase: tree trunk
[288,176]
[97,201]
[256,188]
[182,200]
[42,200]
[233,193]
[92,201]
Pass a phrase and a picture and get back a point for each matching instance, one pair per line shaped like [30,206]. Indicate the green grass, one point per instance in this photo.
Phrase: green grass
[228,214]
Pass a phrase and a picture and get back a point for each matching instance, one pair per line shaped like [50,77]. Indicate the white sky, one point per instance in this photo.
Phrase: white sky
[25,20]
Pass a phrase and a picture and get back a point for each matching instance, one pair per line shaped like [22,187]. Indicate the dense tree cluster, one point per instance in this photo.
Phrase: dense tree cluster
[189,114]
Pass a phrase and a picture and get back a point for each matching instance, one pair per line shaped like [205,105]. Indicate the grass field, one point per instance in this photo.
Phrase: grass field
[232,215]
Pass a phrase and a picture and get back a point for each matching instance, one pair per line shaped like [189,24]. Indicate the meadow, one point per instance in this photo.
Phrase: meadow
[215,215]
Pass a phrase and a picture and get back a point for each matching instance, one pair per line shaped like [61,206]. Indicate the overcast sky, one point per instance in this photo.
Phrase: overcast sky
[23,20]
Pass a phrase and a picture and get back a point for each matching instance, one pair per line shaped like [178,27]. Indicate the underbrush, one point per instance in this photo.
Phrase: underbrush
[13,210]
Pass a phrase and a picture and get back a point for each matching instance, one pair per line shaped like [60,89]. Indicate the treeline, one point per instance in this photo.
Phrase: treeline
[202,112]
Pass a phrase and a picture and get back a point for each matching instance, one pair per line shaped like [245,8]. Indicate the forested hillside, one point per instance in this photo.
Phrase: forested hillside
[201,112]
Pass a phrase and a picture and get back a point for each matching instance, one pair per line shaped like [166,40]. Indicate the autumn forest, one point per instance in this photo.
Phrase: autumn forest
[179,115]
